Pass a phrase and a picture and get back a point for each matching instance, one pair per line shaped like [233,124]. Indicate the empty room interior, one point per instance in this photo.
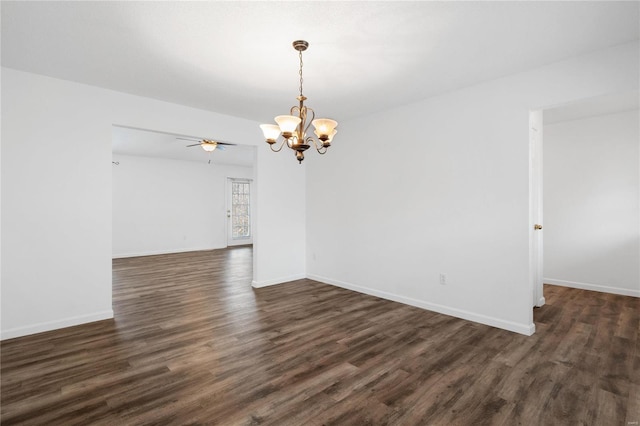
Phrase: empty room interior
[440,226]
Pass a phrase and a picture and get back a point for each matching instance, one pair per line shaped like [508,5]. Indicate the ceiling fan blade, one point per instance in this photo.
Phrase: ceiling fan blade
[195,144]
[188,139]
[226,143]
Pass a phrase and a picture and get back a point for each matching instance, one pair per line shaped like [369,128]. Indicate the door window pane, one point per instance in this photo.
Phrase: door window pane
[240,211]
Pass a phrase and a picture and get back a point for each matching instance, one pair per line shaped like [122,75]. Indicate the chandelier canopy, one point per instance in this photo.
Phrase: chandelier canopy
[294,127]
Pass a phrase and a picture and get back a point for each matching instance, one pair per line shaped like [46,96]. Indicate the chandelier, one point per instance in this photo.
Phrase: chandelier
[294,127]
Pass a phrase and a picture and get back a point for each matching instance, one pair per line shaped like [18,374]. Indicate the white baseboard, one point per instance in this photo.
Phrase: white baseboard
[259,284]
[56,324]
[157,252]
[525,329]
[593,287]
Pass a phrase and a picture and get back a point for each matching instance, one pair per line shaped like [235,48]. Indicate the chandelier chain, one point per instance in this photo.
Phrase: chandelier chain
[300,72]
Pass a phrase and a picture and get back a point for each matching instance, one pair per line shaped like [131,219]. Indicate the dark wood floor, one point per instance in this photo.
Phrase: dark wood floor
[193,343]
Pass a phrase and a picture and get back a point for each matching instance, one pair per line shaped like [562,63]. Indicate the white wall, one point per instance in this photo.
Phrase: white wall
[168,206]
[56,196]
[442,186]
[437,186]
[280,216]
[591,203]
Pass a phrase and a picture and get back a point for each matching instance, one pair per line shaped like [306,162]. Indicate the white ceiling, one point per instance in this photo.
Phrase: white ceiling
[599,105]
[236,57]
[146,143]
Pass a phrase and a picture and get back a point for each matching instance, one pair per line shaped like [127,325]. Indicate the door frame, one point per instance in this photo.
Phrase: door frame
[536,242]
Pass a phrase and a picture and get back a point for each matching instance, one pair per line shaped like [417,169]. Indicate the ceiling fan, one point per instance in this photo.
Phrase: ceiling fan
[208,145]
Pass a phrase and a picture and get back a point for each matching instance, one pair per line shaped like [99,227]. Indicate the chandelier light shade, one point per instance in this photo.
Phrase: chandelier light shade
[324,127]
[294,127]
[271,132]
[288,124]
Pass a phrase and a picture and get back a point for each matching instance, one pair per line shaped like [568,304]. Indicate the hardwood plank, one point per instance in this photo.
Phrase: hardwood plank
[193,343]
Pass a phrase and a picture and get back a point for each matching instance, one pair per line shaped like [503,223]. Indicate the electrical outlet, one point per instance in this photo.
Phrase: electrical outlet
[443,279]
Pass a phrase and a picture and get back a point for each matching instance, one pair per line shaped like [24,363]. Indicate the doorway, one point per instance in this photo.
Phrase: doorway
[591,194]
[591,198]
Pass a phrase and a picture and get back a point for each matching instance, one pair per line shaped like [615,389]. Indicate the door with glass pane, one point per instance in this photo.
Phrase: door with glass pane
[239,212]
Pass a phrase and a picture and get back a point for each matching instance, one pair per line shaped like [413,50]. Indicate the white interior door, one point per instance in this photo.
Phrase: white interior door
[239,230]
[535,221]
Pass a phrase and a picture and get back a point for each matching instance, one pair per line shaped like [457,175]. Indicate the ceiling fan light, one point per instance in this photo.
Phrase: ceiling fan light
[324,127]
[209,146]
[271,132]
[288,123]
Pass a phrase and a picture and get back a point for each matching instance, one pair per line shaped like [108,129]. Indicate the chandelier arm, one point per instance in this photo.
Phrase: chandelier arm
[310,140]
[279,149]
[297,110]
[320,148]
[313,117]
